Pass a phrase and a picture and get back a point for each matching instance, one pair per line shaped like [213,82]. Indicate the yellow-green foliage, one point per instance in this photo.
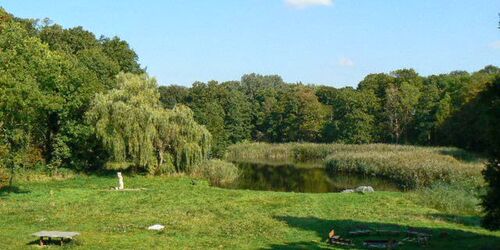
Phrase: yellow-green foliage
[410,166]
[138,132]
[3,177]
[219,173]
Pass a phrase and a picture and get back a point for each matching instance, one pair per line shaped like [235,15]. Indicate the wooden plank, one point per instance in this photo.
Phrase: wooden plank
[56,234]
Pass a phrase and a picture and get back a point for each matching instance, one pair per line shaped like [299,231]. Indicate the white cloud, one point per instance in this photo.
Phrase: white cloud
[495,44]
[346,62]
[299,4]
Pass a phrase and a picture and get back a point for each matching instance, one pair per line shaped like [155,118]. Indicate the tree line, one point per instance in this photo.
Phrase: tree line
[399,107]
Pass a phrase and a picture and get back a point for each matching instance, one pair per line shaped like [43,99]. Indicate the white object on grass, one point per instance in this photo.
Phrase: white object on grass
[156,227]
[120,181]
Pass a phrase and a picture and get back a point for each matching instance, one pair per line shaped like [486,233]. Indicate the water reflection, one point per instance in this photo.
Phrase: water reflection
[289,178]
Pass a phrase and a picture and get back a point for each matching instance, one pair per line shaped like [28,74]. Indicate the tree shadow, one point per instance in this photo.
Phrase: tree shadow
[4,191]
[442,238]
[462,155]
[300,245]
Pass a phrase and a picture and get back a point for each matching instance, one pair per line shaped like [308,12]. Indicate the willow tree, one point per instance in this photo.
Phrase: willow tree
[139,133]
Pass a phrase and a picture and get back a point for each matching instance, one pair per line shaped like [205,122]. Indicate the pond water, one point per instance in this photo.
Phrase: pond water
[290,178]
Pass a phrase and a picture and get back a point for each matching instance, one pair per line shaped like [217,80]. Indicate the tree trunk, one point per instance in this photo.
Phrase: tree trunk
[120,181]
[160,158]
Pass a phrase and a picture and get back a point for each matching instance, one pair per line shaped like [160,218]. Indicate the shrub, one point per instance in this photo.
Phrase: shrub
[4,177]
[219,173]
[491,201]
[458,198]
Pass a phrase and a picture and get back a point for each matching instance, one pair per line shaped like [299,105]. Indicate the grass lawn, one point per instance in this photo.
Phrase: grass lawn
[202,217]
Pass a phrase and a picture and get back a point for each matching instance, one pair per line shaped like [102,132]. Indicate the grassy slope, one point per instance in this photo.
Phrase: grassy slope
[199,216]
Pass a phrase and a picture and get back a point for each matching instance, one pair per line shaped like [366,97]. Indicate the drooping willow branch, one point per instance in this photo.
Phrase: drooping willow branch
[138,132]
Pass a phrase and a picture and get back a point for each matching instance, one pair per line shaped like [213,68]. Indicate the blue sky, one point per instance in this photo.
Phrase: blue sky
[313,41]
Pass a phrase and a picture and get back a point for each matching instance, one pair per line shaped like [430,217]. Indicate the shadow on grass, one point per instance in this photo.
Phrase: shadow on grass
[66,242]
[301,245]
[4,191]
[442,238]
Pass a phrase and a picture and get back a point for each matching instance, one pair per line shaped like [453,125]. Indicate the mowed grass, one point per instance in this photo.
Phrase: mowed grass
[203,217]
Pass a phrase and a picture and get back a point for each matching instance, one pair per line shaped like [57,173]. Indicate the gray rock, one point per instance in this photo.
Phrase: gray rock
[348,191]
[364,189]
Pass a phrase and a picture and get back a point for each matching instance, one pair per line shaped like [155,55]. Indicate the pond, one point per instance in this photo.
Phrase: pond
[290,178]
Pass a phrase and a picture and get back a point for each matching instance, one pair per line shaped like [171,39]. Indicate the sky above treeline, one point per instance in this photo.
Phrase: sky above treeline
[326,42]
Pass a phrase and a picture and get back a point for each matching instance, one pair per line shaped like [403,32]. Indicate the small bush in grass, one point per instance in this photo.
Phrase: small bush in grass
[218,173]
[458,198]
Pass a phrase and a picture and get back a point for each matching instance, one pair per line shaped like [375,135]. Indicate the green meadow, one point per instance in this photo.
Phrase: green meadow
[198,216]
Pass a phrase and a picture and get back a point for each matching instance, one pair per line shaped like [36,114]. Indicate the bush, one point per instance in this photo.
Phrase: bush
[458,198]
[491,201]
[219,173]
[4,177]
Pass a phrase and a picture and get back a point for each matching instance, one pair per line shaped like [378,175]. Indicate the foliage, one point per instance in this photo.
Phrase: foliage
[491,200]
[352,118]
[219,173]
[48,78]
[4,177]
[137,132]
[490,116]
[220,107]
[400,107]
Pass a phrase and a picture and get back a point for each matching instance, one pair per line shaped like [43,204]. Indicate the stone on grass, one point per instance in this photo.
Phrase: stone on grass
[364,189]
[156,227]
[348,191]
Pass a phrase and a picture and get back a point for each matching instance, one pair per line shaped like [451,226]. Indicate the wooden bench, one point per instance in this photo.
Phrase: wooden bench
[55,234]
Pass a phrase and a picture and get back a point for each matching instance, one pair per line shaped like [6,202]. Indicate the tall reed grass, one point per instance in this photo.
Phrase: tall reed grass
[217,172]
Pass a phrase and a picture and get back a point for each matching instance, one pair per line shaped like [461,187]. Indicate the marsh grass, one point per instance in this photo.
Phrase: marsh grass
[217,172]
[410,169]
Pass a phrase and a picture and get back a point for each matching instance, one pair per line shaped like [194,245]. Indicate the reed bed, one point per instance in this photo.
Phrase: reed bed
[410,169]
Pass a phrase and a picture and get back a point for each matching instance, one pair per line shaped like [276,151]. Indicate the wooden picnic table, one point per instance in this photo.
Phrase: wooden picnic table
[55,234]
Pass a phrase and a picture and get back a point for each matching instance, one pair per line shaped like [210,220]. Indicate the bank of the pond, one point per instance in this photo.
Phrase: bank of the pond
[202,217]
[409,166]
[303,179]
